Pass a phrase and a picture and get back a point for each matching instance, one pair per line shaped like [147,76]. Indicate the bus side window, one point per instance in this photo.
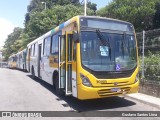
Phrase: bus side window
[31,50]
[15,59]
[54,48]
[46,49]
[36,49]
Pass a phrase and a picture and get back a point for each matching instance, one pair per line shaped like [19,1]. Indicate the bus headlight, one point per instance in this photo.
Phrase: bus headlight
[85,81]
[137,78]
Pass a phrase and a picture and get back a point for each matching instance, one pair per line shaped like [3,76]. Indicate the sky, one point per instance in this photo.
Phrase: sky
[12,14]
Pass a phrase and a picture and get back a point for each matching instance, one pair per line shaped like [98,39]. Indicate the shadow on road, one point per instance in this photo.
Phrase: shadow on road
[88,105]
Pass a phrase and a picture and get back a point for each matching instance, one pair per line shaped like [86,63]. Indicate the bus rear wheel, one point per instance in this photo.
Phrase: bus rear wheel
[33,74]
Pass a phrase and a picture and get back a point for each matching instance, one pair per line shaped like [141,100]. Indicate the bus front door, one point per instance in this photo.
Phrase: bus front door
[65,63]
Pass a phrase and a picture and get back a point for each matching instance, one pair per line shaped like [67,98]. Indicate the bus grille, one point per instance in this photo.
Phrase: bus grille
[108,92]
[118,83]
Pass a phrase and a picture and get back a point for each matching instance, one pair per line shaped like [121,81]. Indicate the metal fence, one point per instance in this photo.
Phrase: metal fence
[149,52]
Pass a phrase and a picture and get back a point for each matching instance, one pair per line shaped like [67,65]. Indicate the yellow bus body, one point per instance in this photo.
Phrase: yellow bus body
[100,88]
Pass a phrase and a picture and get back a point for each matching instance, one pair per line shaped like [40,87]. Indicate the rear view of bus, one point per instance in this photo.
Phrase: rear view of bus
[12,61]
[107,58]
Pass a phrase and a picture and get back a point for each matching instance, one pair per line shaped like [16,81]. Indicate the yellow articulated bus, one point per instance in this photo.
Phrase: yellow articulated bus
[12,61]
[87,57]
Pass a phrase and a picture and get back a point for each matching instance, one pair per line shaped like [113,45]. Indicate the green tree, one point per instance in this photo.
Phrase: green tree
[152,66]
[102,12]
[12,42]
[39,21]
[37,6]
[138,12]
[156,18]
[42,22]
[92,6]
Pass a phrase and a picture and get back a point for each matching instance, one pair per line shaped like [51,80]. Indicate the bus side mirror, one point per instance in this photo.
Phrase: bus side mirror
[75,37]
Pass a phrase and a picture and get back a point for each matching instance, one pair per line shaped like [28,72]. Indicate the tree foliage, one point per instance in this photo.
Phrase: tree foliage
[151,66]
[37,6]
[12,43]
[39,20]
[156,17]
[139,12]
[42,22]
[92,6]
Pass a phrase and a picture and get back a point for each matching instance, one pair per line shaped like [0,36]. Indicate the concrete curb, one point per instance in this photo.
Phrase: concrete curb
[144,101]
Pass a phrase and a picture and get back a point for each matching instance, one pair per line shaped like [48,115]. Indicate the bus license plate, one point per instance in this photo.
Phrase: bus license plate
[115,90]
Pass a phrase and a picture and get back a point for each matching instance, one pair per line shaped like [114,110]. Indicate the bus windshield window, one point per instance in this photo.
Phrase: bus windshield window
[121,55]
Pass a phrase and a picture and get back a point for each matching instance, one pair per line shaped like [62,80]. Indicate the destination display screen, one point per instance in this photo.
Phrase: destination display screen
[106,24]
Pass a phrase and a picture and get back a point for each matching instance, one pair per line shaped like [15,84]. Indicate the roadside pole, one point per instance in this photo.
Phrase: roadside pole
[143,55]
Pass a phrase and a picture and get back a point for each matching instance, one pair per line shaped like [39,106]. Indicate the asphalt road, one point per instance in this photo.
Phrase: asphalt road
[19,92]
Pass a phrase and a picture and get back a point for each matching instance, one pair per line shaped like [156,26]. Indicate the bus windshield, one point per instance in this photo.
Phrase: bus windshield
[119,54]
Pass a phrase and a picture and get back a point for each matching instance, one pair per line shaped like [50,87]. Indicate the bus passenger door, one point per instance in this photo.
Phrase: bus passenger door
[39,59]
[65,63]
[62,61]
[29,59]
[69,49]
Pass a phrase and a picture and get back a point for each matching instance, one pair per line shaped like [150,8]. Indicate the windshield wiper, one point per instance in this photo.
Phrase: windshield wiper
[104,41]
[102,38]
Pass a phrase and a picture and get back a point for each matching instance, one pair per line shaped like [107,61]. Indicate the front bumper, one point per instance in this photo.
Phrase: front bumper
[102,92]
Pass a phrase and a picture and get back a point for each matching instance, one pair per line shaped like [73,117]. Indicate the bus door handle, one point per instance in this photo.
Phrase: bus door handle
[61,63]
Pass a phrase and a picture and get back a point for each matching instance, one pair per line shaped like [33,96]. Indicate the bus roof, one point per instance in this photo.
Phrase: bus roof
[105,18]
[61,26]
[75,18]
[12,55]
[21,51]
